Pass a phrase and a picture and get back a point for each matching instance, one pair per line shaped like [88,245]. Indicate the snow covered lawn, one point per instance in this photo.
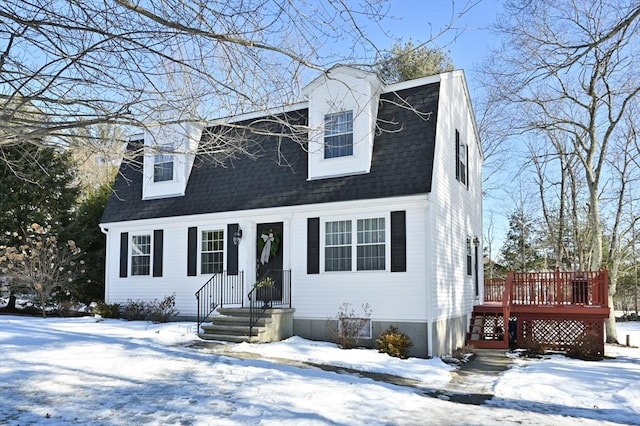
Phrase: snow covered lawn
[82,371]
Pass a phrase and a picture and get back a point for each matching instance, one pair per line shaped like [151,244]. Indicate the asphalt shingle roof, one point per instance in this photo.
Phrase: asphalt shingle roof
[402,164]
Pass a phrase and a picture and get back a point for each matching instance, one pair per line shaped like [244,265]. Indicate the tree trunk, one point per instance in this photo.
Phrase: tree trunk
[610,323]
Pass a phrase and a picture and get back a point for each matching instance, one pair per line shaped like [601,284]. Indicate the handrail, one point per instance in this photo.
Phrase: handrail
[219,290]
[265,294]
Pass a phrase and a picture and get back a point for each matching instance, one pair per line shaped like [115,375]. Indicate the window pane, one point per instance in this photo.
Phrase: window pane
[140,254]
[163,172]
[337,254]
[212,252]
[371,253]
[338,134]
[371,257]
[163,164]
[140,265]
[337,258]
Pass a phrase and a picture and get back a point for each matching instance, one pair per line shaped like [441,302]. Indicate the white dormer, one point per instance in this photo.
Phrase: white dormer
[169,152]
[343,106]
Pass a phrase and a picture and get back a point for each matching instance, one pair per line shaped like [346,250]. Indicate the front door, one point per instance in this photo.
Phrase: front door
[269,258]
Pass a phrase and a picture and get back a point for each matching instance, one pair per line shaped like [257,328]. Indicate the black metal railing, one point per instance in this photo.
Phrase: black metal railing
[221,289]
[273,288]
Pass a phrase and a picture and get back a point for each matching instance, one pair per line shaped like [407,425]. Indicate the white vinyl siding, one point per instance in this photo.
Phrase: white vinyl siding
[212,252]
[141,255]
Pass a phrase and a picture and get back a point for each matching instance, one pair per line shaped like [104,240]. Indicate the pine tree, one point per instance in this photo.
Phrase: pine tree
[519,252]
[36,186]
[409,62]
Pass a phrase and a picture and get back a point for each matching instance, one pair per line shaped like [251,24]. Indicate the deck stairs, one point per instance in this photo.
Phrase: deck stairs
[487,328]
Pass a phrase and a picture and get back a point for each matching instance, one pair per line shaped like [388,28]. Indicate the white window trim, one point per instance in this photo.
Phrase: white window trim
[354,242]
[130,254]
[202,230]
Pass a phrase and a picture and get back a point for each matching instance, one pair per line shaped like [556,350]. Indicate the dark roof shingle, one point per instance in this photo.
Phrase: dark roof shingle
[402,164]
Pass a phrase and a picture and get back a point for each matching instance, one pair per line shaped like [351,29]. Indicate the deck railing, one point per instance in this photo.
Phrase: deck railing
[494,289]
[557,288]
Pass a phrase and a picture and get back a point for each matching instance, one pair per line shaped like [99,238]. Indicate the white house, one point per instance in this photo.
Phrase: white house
[366,193]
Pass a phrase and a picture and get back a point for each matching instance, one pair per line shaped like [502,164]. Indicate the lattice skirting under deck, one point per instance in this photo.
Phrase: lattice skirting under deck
[560,334]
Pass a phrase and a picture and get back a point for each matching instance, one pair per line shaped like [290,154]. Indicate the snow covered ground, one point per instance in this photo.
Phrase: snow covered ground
[83,371]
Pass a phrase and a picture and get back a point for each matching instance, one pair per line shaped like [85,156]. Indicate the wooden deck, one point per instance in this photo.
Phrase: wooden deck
[557,310]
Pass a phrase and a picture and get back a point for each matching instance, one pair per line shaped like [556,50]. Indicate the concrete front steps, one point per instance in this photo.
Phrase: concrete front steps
[232,325]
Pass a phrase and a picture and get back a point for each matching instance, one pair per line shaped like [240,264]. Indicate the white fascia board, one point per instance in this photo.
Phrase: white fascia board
[408,84]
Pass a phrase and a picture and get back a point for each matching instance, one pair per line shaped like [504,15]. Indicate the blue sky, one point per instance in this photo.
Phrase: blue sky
[468,43]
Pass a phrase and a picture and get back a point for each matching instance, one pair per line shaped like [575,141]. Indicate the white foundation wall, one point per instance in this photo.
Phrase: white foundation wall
[400,296]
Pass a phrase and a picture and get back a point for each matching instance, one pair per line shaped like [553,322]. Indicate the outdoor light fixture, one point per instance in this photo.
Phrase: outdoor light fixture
[476,241]
[237,236]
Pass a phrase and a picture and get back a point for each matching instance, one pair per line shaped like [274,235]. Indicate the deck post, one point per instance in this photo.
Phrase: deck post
[558,285]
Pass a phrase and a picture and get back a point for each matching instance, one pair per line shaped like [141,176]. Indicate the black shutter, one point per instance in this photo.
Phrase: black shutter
[232,250]
[158,237]
[457,155]
[398,241]
[192,251]
[124,254]
[313,245]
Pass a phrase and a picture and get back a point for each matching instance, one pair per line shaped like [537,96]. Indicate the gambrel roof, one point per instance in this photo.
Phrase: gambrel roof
[401,165]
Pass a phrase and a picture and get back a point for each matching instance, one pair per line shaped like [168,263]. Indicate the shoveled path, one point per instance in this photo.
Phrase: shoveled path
[472,383]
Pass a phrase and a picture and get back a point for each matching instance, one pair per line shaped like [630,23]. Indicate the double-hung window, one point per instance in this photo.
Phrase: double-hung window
[212,252]
[371,244]
[337,250]
[338,134]
[462,161]
[163,163]
[140,254]
[367,254]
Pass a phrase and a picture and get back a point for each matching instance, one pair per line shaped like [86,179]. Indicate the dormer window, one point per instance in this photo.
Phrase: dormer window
[338,134]
[163,163]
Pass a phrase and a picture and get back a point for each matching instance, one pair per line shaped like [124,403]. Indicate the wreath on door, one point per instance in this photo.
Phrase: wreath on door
[268,245]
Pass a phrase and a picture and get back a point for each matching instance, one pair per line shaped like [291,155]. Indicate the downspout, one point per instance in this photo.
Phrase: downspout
[105,231]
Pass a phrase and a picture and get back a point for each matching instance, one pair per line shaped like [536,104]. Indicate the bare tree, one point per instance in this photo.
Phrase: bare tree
[571,68]
[80,63]
[67,65]
[40,265]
